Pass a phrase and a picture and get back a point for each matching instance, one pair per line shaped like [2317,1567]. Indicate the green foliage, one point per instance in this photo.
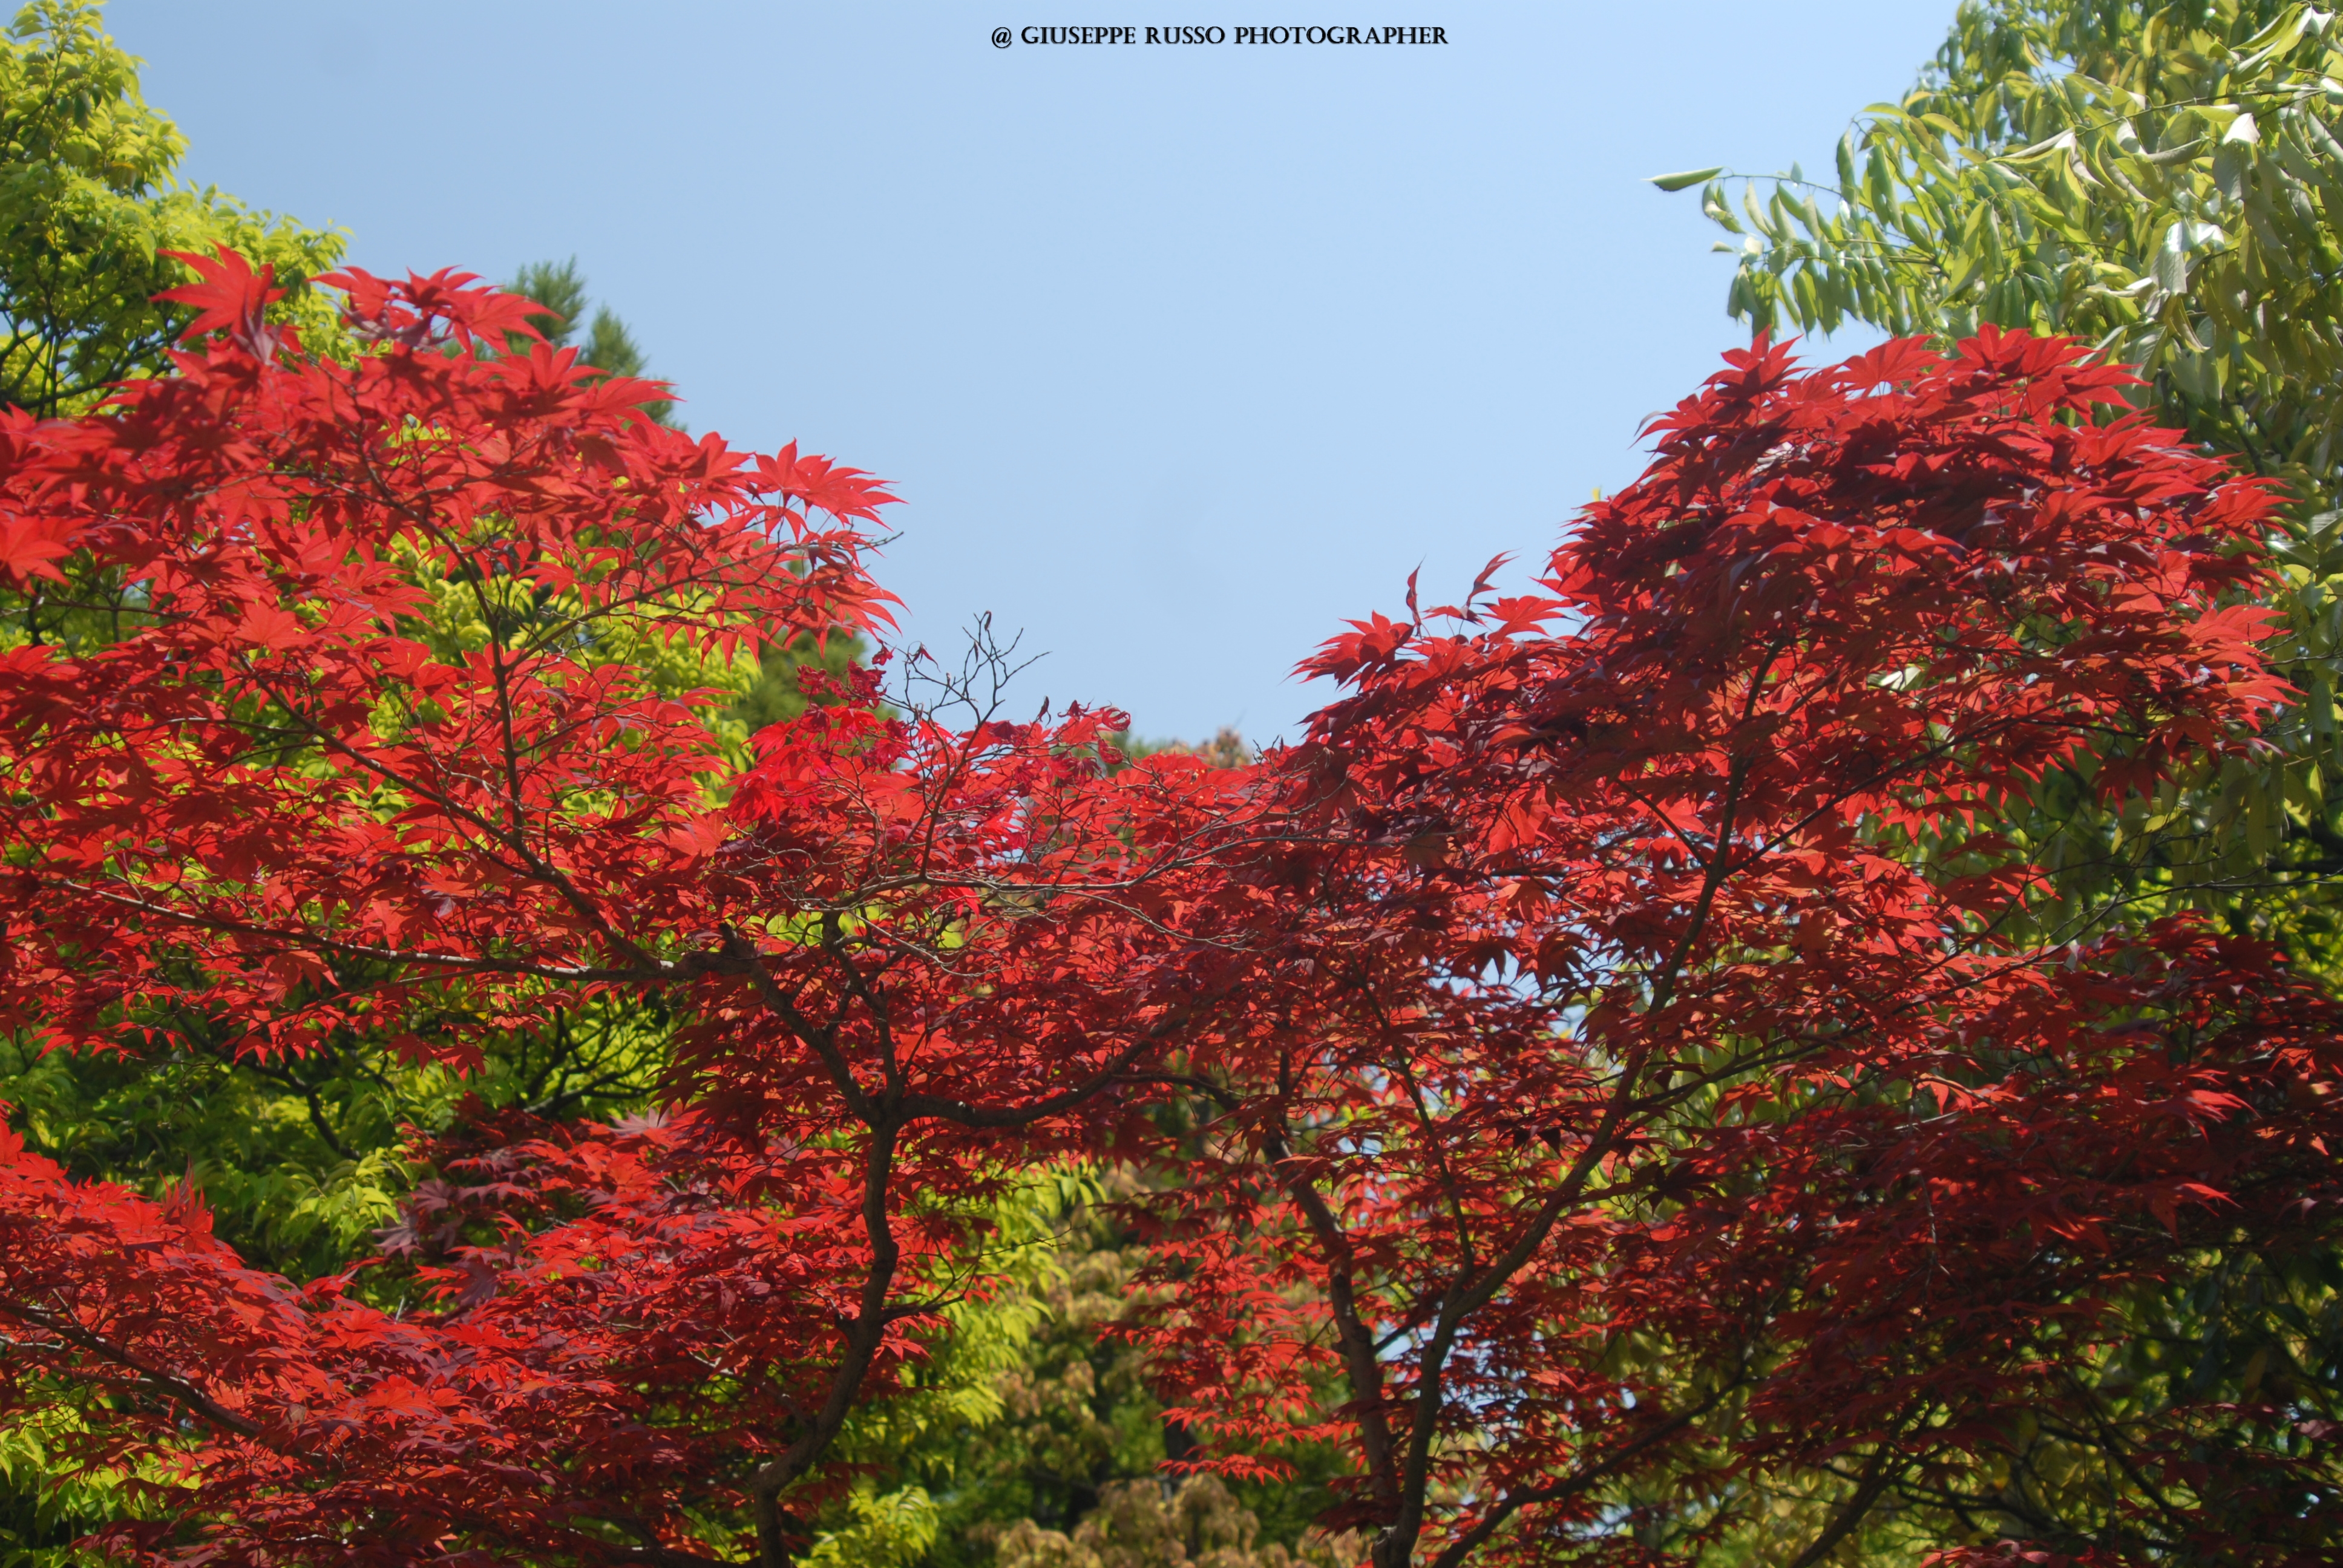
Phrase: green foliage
[301,1162]
[88,195]
[890,1530]
[1023,1408]
[1033,1425]
[45,1503]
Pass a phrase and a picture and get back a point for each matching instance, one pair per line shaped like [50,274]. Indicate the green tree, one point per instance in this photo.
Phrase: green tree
[88,195]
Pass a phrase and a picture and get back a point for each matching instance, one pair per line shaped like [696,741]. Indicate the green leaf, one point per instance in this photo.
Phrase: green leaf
[1687,179]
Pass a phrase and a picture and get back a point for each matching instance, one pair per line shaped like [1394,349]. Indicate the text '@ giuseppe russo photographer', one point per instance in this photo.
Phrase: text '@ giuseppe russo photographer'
[1002,37]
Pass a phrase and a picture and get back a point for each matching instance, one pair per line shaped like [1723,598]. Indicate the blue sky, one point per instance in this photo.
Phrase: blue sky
[1178,355]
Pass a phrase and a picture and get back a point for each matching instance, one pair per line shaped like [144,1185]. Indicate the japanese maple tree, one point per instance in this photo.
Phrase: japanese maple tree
[293,797]
[1664,1111]
[1611,1071]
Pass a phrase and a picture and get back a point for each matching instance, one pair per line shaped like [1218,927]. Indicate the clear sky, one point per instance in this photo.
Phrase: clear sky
[1178,356]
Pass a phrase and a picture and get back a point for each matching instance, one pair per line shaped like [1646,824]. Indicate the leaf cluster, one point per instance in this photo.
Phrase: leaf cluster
[88,200]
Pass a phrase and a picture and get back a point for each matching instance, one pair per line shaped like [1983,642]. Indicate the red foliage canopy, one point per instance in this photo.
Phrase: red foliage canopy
[1662,1077]
[1616,1047]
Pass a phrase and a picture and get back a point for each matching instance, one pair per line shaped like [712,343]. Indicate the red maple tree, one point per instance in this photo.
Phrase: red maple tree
[1667,1077]
[1614,1053]
[284,802]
